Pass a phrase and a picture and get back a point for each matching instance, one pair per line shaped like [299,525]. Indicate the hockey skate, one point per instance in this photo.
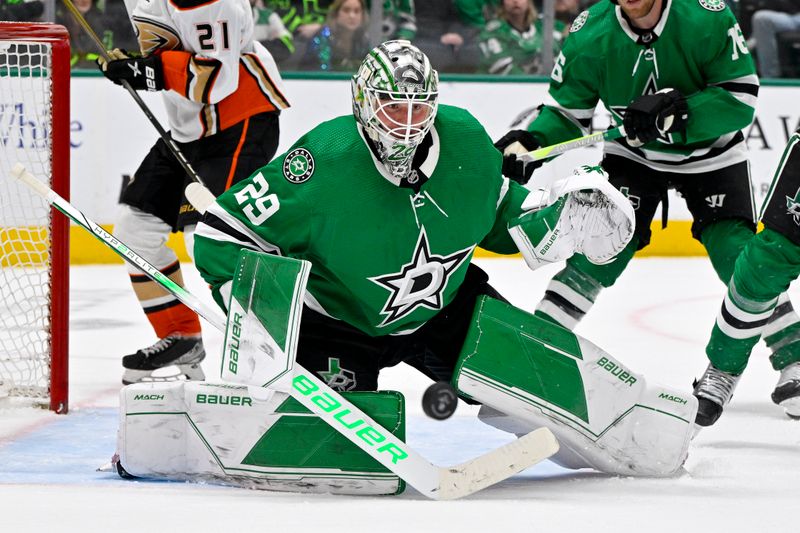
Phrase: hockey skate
[713,392]
[185,353]
[787,391]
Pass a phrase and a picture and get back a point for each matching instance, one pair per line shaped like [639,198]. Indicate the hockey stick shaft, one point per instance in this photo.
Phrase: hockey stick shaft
[587,140]
[173,148]
[432,481]
[117,246]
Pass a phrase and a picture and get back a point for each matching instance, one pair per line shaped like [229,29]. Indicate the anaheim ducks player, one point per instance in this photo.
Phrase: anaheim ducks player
[223,94]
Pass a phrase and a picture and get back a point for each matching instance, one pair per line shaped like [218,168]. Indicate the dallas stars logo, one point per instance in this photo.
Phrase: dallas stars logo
[713,5]
[632,198]
[421,282]
[793,207]
[338,378]
[298,165]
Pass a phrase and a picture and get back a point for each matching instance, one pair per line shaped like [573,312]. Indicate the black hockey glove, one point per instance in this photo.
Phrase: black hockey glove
[143,73]
[513,143]
[653,115]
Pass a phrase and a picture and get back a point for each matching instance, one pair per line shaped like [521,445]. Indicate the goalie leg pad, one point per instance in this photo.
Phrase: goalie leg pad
[223,434]
[604,415]
[264,311]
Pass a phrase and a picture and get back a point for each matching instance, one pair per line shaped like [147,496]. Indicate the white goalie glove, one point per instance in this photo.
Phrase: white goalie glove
[582,213]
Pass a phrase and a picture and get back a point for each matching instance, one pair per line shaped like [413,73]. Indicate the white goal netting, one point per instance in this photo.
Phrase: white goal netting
[25,242]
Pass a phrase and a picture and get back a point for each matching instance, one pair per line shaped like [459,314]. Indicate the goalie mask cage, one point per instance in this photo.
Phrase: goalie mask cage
[34,259]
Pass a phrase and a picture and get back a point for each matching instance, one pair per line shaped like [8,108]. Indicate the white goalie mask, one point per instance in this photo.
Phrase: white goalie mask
[395,97]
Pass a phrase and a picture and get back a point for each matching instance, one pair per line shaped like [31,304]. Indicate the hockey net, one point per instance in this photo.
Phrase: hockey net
[34,240]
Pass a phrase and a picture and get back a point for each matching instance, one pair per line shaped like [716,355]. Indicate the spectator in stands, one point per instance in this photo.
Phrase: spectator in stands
[270,31]
[476,13]
[450,43]
[767,24]
[341,44]
[512,42]
[399,19]
[303,19]
[16,10]
[111,24]
[566,11]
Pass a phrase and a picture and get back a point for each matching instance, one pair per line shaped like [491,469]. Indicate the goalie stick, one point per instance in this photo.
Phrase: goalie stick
[194,193]
[553,150]
[435,482]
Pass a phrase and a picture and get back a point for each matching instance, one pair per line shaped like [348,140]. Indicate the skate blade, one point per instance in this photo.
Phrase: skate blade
[791,407]
[183,372]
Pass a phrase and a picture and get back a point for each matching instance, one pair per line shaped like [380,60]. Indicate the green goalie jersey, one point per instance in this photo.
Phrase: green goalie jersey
[385,258]
[696,48]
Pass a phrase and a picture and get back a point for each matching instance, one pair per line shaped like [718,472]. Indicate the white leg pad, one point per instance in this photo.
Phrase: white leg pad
[603,414]
[221,433]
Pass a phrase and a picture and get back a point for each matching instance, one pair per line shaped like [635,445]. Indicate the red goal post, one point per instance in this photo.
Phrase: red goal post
[34,239]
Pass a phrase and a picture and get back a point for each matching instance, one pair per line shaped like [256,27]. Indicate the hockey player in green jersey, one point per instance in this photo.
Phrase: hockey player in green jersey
[388,205]
[683,102]
[756,292]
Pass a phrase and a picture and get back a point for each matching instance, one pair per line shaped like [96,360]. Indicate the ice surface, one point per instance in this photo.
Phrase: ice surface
[742,474]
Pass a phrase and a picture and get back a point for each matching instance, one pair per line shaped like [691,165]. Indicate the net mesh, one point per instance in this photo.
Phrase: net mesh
[25,274]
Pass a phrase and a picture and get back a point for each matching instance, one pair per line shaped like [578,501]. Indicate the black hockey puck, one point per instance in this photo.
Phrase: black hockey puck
[440,400]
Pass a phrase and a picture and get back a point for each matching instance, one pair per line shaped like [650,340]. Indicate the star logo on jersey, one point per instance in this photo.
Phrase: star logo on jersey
[651,87]
[579,21]
[713,5]
[793,207]
[420,282]
[298,165]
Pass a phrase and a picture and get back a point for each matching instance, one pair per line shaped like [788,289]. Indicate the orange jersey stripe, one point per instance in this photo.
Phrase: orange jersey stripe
[193,78]
[235,160]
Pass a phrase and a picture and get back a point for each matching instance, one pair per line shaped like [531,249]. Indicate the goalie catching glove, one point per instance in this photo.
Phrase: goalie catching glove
[582,213]
[142,73]
[654,115]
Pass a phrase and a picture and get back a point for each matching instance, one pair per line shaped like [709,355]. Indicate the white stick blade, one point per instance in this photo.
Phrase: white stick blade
[497,465]
[19,172]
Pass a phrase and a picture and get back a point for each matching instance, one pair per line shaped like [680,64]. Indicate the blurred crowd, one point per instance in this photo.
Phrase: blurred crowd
[460,36]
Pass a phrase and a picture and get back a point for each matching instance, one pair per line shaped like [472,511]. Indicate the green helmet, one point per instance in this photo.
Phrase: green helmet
[395,97]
